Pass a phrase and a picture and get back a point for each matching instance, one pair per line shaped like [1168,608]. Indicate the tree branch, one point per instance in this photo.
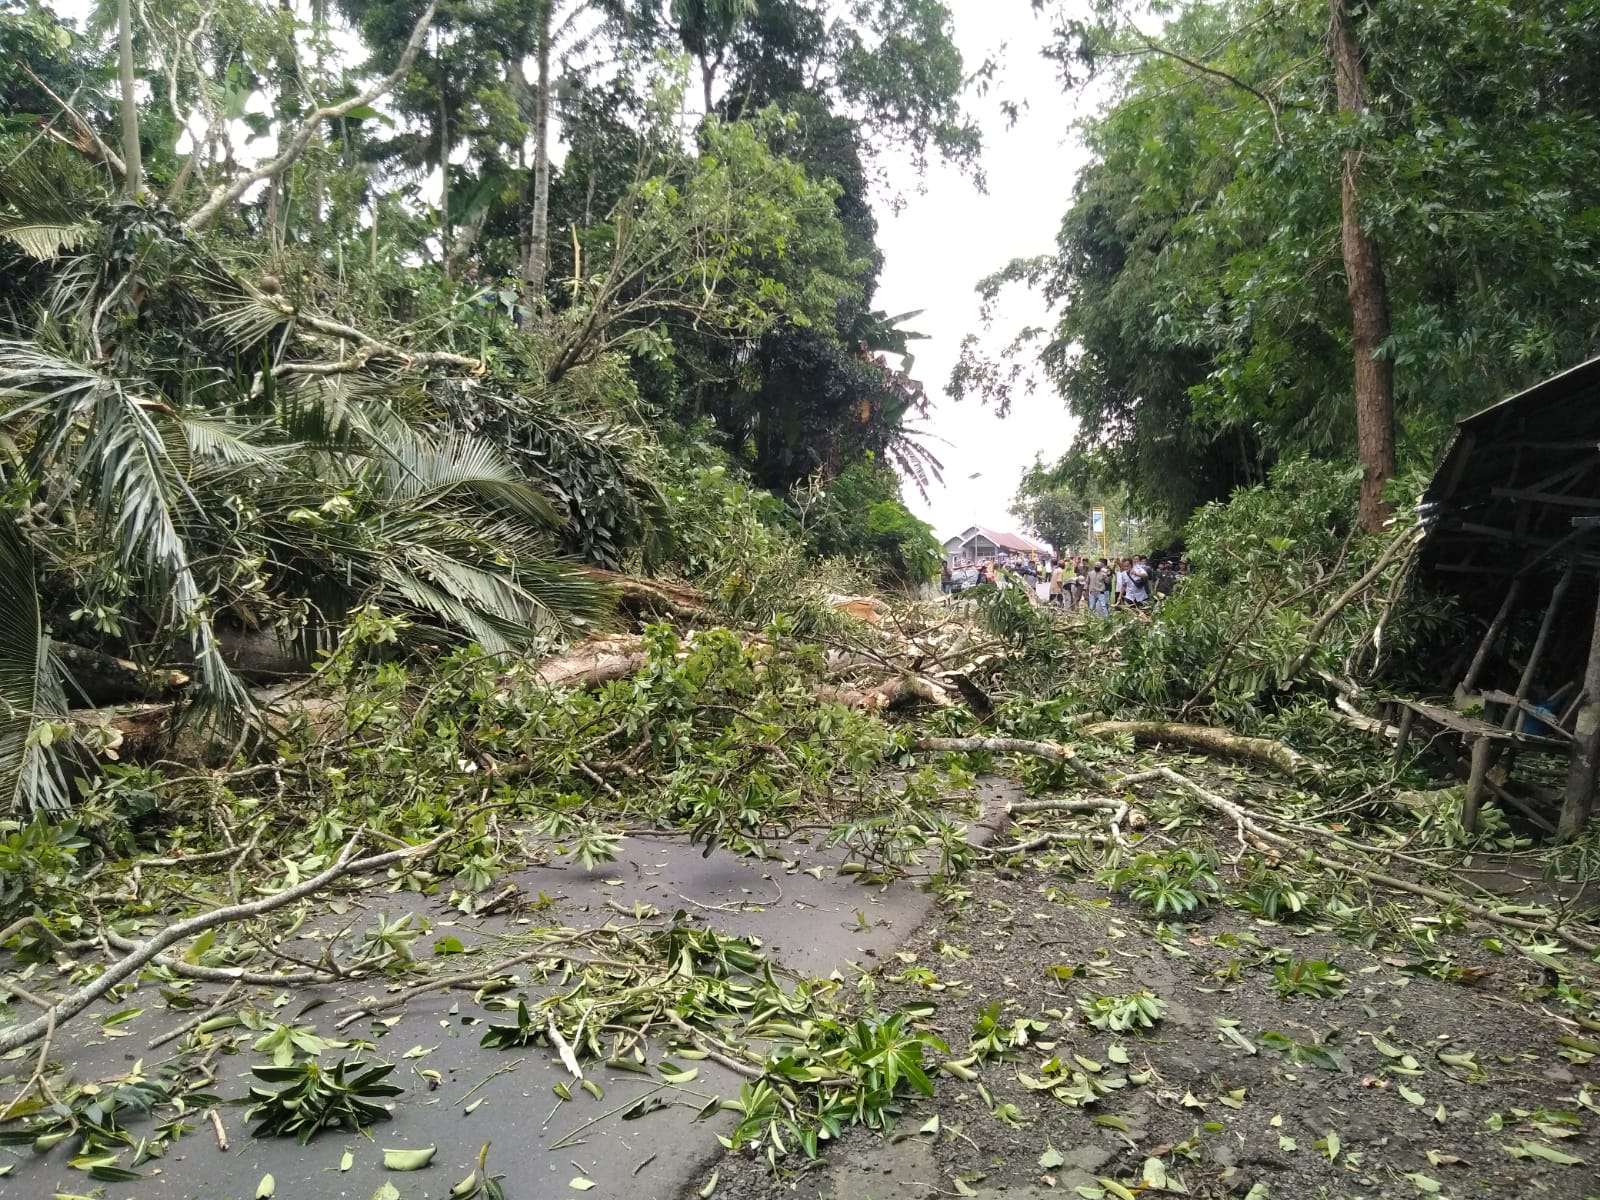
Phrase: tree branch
[74,1003]
[1053,751]
[226,193]
[1217,73]
[85,131]
[1389,554]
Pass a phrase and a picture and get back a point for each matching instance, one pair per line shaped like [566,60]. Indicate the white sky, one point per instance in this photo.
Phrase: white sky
[950,236]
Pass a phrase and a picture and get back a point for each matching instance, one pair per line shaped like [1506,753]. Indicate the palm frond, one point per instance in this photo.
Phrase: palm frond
[43,240]
[30,775]
[231,443]
[246,319]
[493,579]
[419,469]
[98,436]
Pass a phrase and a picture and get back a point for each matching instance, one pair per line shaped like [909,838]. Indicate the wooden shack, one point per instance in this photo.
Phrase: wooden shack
[1510,519]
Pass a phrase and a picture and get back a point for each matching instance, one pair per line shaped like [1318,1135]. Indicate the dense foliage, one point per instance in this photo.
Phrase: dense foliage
[1205,327]
[245,393]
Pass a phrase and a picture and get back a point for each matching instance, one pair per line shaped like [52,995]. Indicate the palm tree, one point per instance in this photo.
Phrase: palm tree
[178,449]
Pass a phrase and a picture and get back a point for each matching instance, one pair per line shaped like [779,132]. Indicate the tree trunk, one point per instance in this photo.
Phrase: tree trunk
[1585,766]
[537,265]
[1369,302]
[131,181]
[444,159]
[708,76]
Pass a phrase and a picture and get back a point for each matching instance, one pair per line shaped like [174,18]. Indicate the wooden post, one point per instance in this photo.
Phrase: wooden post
[1482,748]
[1490,637]
[1579,800]
[1557,594]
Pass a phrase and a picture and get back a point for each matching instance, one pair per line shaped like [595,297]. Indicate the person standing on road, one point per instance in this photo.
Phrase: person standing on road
[1099,585]
[1058,579]
[1138,581]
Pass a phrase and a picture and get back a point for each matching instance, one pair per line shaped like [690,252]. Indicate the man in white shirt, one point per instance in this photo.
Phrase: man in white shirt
[1138,592]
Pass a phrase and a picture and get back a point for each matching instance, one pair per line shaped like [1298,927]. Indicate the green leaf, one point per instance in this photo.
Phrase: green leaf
[1425,1184]
[408,1160]
[1051,1158]
[1548,1153]
[266,1188]
[579,1184]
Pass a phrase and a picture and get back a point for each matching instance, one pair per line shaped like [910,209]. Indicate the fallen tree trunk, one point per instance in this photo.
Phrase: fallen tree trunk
[106,679]
[893,693]
[596,661]
[1208,738]
[645,597]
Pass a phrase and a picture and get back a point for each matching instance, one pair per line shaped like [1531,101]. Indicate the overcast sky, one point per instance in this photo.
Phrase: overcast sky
[950,236]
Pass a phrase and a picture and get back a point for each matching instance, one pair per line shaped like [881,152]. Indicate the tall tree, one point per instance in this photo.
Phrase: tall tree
[1363,270]
[132,170]
[1279,206]
[706,28]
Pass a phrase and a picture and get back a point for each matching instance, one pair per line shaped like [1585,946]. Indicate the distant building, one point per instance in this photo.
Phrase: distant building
[975,544]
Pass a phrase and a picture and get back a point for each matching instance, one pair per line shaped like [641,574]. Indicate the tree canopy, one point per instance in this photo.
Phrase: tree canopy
[1204,326]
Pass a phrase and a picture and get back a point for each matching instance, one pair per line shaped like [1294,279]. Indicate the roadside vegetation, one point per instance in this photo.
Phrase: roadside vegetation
[395,516]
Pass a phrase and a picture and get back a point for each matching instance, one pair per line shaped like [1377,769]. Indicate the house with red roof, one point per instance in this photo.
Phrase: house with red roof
[975,544]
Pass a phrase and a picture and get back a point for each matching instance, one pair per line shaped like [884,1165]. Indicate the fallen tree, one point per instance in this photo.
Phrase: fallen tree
[1208,738]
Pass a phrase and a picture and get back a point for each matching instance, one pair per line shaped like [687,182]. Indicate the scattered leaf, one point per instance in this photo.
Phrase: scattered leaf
[1425,1184]
[347,1161]
[579,1184]
[408,1160]
[266,1188]
[1051,1158]
[1548,1153]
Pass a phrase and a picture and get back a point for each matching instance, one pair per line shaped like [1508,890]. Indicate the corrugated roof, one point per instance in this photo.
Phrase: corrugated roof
[1515,475]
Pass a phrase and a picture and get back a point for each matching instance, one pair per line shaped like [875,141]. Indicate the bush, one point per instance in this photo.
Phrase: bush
[1237,635]
[737,543]
[860,515]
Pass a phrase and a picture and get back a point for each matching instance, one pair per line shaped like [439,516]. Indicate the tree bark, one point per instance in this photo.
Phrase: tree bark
[1364,282]
[537,264]
[1208,738]
[1585,766]
[131,180]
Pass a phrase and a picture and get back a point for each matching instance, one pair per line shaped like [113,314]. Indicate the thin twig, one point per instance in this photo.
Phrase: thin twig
[37,1078]
[193,1022]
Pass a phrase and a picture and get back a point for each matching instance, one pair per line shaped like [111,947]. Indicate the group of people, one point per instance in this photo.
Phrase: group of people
[1096,585]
